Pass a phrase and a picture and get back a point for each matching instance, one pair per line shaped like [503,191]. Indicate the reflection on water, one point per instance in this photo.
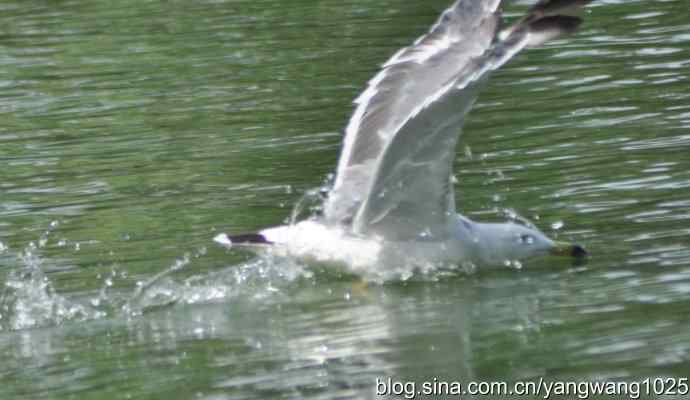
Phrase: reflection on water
[133,132]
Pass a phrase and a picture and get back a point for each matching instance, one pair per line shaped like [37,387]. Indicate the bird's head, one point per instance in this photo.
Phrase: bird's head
[509,242]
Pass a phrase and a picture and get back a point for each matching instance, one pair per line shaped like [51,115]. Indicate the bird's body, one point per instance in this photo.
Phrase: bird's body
[467,244]
[393,199]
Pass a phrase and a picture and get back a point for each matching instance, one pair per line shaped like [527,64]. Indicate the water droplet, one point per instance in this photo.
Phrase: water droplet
[499,174]
[469,267]
[425,234]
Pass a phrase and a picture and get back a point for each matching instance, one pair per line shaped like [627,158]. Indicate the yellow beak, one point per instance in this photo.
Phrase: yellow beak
[565,249]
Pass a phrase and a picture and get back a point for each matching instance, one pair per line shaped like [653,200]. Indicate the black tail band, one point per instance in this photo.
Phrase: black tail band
[249,238]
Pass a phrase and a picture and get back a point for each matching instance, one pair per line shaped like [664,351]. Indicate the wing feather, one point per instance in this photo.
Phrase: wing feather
[394,174]
[412,75]
[411,195]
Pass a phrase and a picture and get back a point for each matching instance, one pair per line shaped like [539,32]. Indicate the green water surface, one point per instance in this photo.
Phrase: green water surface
[132,132]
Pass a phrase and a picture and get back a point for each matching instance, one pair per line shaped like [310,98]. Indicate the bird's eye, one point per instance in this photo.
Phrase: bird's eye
[526,239]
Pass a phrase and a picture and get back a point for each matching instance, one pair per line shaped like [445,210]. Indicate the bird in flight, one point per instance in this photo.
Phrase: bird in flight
[393,199]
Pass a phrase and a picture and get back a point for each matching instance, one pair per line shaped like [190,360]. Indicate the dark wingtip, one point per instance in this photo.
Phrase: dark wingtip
[579,252]
[547,20]
[562,23]
[553,7]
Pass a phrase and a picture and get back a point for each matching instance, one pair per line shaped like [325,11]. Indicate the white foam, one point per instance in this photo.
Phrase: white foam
[315,243]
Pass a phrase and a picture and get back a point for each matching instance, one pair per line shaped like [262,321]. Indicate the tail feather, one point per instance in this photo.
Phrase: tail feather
[250,238]
[244,239]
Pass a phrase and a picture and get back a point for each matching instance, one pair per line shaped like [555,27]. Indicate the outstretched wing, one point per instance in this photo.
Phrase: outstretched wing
[395,170]
[412,75]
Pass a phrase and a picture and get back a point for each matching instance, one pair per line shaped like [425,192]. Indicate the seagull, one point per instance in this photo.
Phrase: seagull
[392,201]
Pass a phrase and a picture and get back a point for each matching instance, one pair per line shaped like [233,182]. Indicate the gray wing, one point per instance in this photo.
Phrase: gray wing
[411,194]
[394,173]
[413,74]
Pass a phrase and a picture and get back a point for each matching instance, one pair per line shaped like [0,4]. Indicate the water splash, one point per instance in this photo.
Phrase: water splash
[309,206]
[154,292]
[29,299]
[265,276]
